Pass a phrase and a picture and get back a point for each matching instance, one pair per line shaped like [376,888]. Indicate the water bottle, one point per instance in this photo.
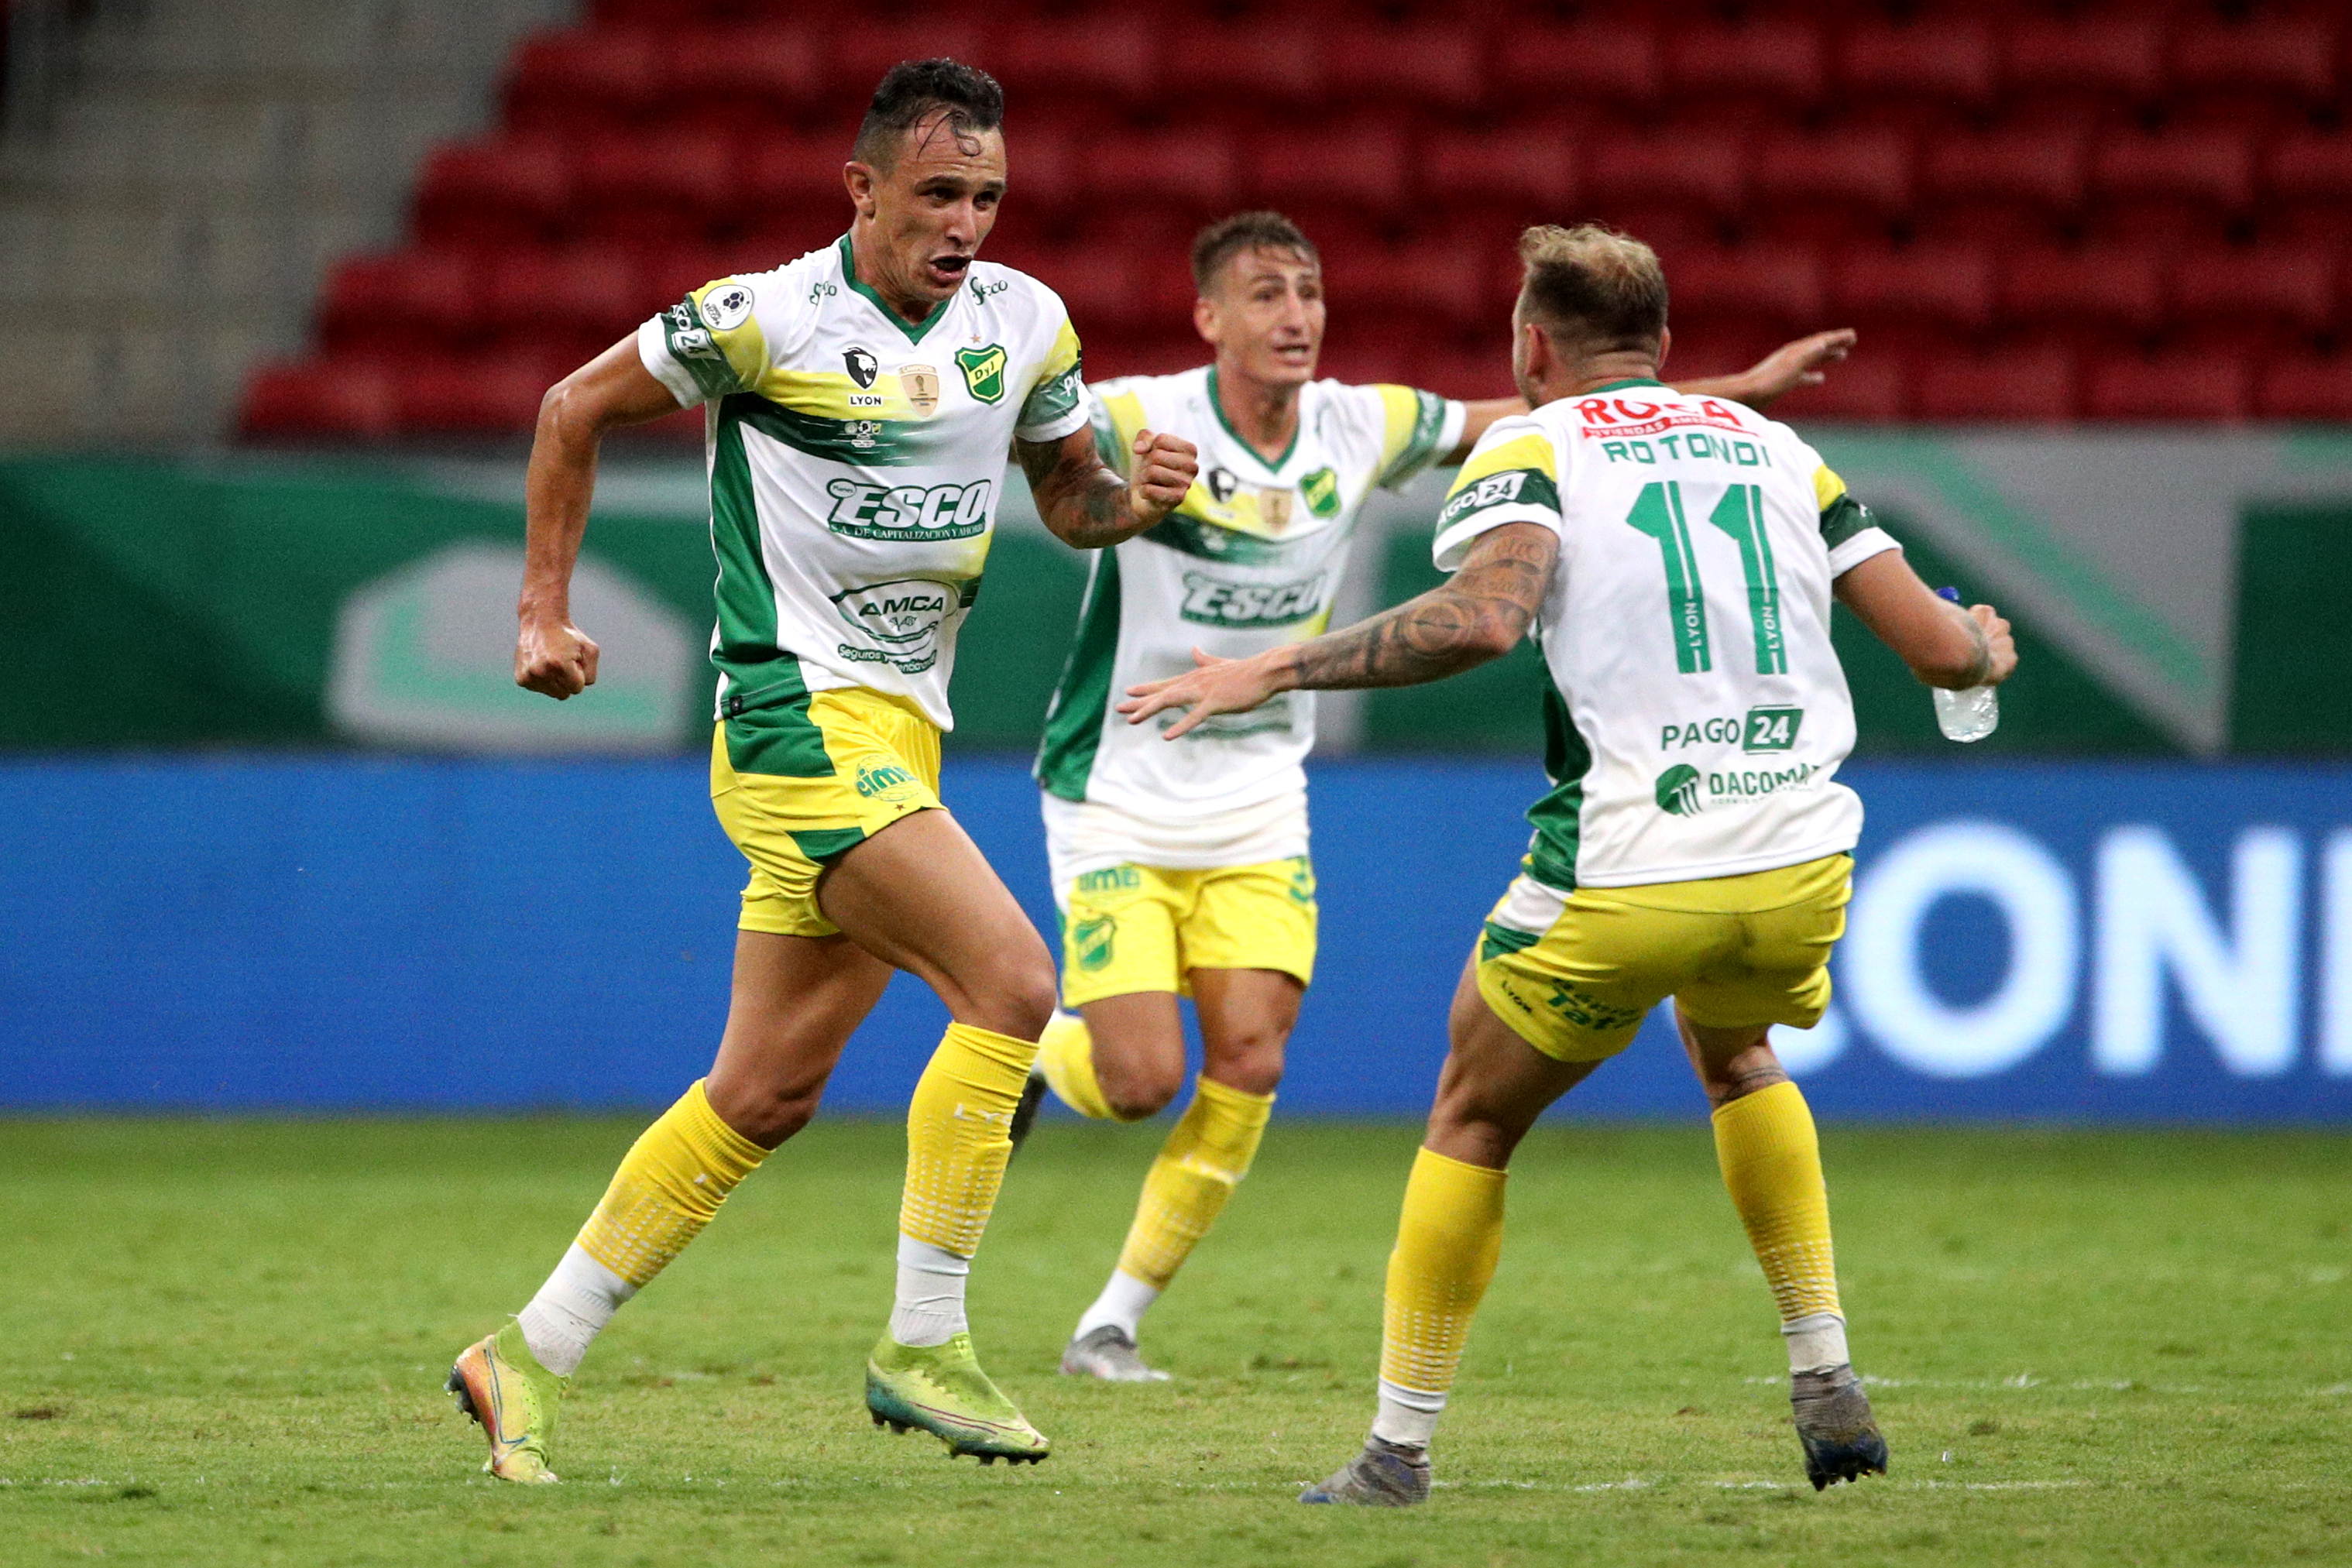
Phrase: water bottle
[1969,714]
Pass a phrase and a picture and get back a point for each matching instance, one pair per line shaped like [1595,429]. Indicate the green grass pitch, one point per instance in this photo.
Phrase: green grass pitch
[224,1341]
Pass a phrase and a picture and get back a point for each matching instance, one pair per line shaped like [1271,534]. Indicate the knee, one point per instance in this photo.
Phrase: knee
[1252,1064]
[1016,994]
[765,1114]
[1137,1089]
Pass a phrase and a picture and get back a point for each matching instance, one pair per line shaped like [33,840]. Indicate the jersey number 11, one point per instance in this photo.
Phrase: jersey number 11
[1658,512]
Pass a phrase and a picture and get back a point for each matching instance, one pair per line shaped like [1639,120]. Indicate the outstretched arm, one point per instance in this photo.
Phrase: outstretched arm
[553,656]
[1088,507]
[1784,369]
[1477,615]
[1944,644]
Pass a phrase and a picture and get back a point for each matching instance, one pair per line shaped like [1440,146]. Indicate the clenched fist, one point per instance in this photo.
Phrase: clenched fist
[1164,469]
[554,658]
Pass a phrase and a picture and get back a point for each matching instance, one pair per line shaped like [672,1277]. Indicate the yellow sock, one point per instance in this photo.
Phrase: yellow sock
[1204,1158]
[1771,1163]
[1448,1239]
[1066,1055]
[670,1184]
[958,1136]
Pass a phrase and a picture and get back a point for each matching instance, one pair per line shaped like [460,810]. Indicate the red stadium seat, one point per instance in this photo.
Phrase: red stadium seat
[2202,388]
[1094,56]
[1947,63]
[1480,368]
[396,302]
[1432,279]
[1865,170]
[795,174]
[2305,389]
[1779,285]
[730,75]
[2308,185]
[677,180]
[2111,57]
[1441,65]
[1360,358]
[2028,384]
[1529,171]
[497,395]
[1360,167]
[310,400]
[2294,57]
[516,188]
[1779,62]
[2099,287]
[1701,170]
[581,78]
[579,294]
[1871,389]
[859,53]
[1617,62]
[2048,170]
[1278,63]
[2212,167]
[1950,286]
[2293,286]
[1194,167]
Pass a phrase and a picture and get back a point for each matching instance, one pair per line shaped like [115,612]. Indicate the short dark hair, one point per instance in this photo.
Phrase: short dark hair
[1593,288]
[911,91]
[1222,240]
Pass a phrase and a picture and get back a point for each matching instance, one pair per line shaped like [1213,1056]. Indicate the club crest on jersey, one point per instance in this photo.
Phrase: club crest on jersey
[1093,940]
[1322,489]
[984,372]
[921,385]
[726,307]
[862,365]
[1222,485]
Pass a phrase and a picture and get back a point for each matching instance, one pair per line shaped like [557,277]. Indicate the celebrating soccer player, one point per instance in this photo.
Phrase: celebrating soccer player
[1185,868]
[1676,556]
[860,401]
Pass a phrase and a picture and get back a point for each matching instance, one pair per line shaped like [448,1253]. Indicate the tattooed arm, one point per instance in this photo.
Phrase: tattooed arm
[1088,507]
[1479,613]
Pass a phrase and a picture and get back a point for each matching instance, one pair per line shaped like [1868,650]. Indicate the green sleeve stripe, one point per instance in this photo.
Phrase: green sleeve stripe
[1420,446]
[1509,488]
[691,344]
[1844,517]
[1055,396]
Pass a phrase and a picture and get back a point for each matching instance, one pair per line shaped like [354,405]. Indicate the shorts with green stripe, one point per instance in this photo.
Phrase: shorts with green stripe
[798,782]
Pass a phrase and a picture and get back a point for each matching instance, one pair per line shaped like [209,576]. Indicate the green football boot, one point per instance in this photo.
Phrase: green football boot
[942,1389]
[502,1386]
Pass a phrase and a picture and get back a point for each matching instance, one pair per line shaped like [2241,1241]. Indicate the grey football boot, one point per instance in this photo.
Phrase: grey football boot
[1108,1354]
[1833,1422]
[1385,1475]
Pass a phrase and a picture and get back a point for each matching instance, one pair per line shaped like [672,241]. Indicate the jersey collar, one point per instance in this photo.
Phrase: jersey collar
[1612,386]
[1275,467]
[915,332]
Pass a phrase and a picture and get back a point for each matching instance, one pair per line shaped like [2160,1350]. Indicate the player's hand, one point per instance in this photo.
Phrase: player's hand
[1218,686]
[554,658]
[1998,641]
[1792,365]
[1163,470]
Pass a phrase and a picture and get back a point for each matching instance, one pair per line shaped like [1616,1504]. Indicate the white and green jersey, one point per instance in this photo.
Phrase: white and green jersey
[1697,714]
[855,462]
[1248,560]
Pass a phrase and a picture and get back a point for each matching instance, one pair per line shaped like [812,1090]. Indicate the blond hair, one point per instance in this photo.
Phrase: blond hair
[1592,289]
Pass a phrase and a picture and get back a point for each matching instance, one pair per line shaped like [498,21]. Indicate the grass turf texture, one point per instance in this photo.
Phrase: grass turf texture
[223,1341]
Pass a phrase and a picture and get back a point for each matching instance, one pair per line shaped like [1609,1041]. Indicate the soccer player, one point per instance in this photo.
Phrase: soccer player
[859,404]
[1185,868]
[1675,556]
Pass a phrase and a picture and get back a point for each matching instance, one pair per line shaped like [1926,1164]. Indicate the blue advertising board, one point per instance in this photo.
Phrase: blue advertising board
[2072,942]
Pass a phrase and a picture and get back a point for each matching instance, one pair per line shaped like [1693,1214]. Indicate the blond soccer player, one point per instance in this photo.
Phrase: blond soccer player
[1676,557]
[860,403]
[1184,869]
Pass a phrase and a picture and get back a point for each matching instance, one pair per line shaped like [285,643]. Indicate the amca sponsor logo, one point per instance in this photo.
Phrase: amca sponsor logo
[914,513]
[1212,602]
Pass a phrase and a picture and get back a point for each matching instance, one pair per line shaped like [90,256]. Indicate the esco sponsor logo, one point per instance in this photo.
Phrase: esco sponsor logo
[912,513]
[1213,602]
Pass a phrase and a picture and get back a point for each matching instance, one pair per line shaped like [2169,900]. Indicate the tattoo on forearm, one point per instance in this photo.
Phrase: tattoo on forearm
[1083,503]
[1474,617]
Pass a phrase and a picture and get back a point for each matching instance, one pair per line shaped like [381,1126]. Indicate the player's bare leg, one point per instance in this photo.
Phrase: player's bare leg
[1137,1060]
[795,1002]
[1765,1140]
[920,896]
[1493,1087]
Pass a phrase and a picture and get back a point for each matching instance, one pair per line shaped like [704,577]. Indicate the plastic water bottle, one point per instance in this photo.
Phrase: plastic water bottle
[1966,716]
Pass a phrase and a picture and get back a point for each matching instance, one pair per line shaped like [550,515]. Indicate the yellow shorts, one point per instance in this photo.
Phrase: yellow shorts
[1576,977]
[1140,928]
[798,783]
